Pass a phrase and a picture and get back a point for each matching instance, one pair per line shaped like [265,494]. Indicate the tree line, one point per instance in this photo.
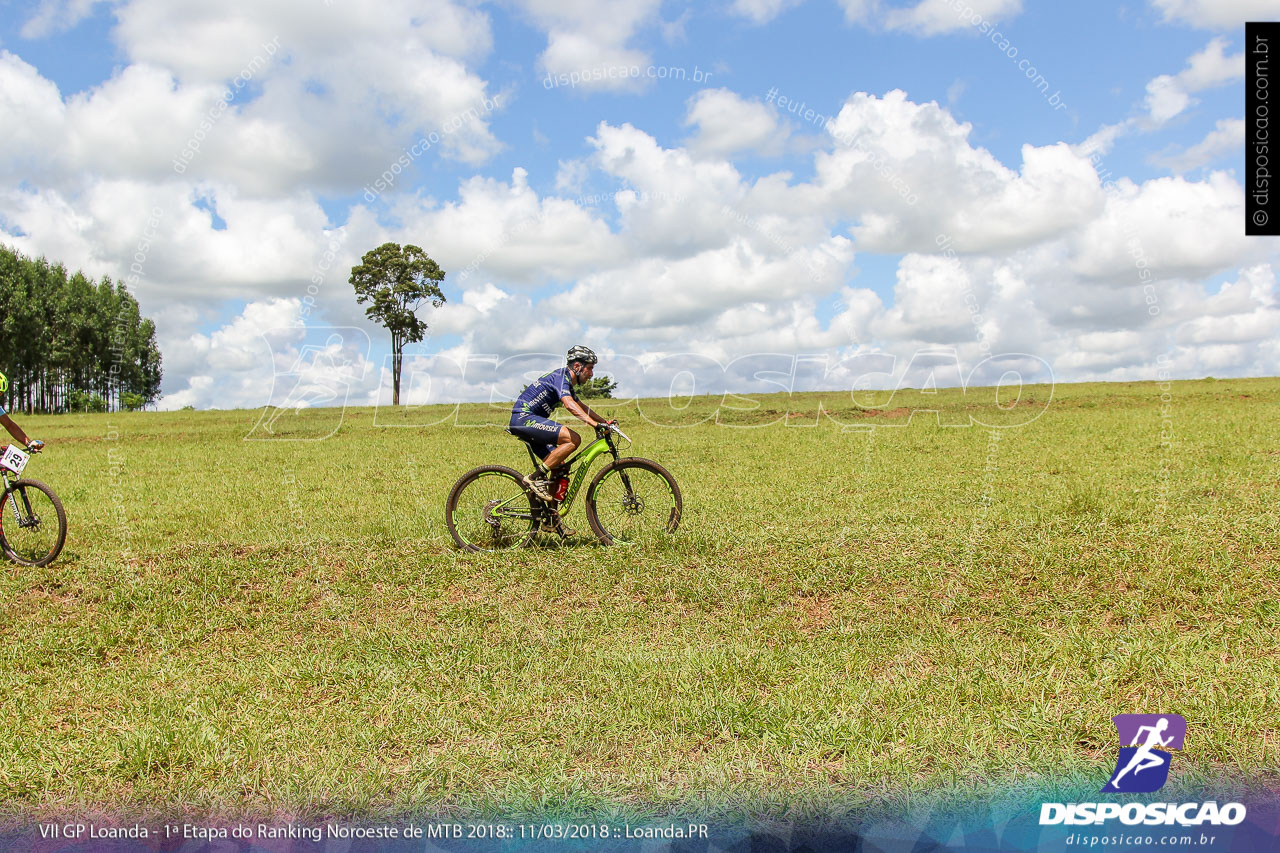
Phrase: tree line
[70,344]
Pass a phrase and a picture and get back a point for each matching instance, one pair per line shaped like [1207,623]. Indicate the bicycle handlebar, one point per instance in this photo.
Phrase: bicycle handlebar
[34,447]
[603,428]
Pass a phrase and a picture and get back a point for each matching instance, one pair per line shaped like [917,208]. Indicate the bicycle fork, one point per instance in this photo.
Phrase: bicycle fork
[630,499]
[30,519]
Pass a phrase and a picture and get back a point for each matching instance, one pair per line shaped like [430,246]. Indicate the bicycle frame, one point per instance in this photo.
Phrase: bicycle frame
[10,492]
[579,465]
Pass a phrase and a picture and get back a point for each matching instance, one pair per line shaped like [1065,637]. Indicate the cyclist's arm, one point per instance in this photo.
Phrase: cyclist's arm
[581,412]
[600,419]
[14,429]
[596,416]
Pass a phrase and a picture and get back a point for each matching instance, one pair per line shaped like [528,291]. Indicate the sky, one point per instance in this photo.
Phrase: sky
[741,195]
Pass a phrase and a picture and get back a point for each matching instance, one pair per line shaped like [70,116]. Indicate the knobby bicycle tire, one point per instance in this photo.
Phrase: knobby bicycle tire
[663,509]
[471,526]
[9,523]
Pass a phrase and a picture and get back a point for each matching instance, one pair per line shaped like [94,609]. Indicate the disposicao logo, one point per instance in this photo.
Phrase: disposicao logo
[1142,768]
[1143,765]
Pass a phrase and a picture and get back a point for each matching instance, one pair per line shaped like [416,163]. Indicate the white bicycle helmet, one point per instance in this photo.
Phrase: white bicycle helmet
[580,353]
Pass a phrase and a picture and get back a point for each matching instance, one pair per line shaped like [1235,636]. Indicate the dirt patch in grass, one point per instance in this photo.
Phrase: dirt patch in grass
[812,613]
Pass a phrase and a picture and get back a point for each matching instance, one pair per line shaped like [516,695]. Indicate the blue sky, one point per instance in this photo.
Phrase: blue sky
[749,229]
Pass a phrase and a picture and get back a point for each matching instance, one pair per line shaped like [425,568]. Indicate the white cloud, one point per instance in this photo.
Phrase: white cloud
[212,43]
[1233,332]
[593,35]
[325,105]
[673,32]
[51,16]
[685,214]
[933,17]
[929,299]
[266,356]
[762,11]
[1101,140]
[219,368]
[728,123]
[570,175]
[1216,14]
[654,292]
[1243,312]
[1227,137]
[1183,229]
[505,230]
[1169,95]
[889,150]
[267,247]
[32,113]
[859,11]
[492,320]
[925,18]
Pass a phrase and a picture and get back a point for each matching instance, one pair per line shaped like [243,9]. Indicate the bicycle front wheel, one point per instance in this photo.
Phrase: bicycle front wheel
[489,509]
[33,524]
[633,500]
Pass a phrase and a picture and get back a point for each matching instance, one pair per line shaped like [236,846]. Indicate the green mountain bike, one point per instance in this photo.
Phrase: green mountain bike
[630,500]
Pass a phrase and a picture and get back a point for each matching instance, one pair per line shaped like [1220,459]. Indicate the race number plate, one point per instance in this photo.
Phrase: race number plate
[14,460]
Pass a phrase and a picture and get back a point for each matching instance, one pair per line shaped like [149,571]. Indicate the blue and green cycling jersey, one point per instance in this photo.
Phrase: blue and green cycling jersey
[543,396]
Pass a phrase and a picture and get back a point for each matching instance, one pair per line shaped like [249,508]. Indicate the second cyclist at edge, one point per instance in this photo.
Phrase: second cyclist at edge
[552,442]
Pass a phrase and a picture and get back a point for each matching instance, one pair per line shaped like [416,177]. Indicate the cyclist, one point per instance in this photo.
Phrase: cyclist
[35,446]
[531,417]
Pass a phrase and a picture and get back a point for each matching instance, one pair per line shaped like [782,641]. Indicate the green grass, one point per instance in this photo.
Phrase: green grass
[846,617]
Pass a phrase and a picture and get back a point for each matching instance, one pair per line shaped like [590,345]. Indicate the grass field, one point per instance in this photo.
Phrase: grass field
[846,616]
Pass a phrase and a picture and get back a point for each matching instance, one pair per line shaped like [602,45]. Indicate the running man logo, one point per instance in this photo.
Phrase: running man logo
[1143,765]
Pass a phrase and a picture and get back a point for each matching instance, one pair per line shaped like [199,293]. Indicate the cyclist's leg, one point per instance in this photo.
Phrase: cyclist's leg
[542,434]
[566,443]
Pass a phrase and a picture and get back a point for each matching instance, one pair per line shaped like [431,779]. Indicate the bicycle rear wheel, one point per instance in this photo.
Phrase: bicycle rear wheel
[489,509]
[33,524]
[633,500]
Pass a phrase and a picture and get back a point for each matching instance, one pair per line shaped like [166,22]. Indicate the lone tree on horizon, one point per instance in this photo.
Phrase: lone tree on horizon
[397,280]
[601,387]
